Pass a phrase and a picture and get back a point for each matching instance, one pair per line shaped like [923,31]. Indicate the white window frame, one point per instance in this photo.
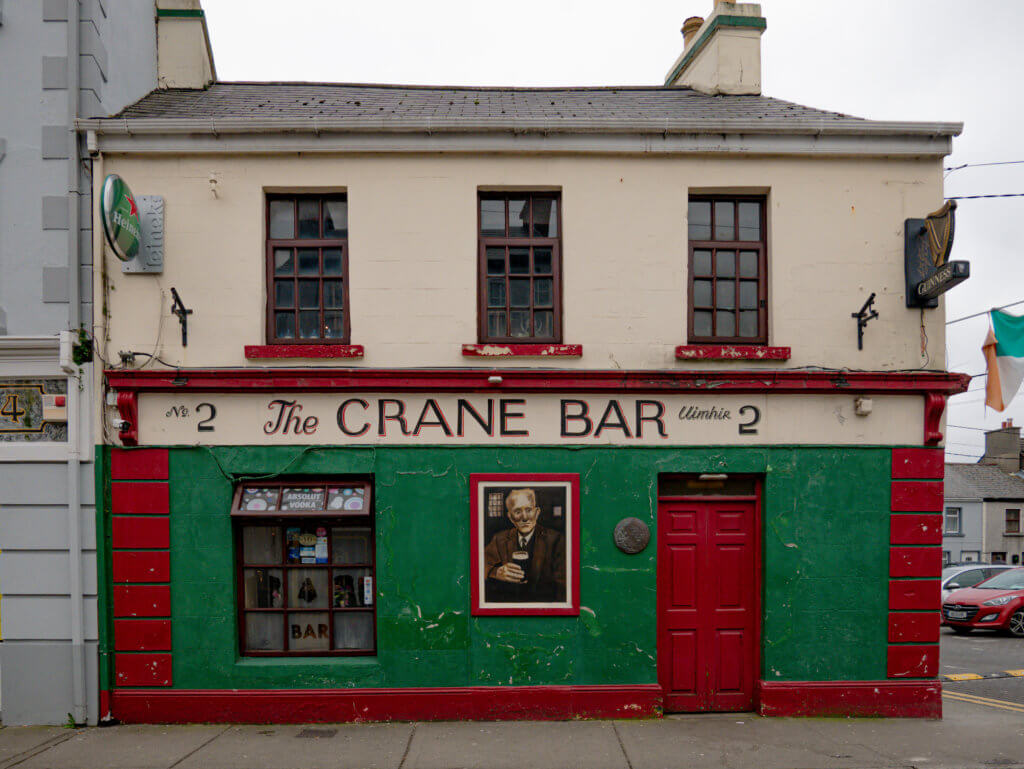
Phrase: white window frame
[959,513]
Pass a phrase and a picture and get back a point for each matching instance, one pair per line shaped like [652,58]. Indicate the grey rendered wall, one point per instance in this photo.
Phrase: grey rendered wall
[995,526]
[117,65]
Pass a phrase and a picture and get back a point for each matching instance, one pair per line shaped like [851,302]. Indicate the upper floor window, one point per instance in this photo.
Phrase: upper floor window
[728,288]
[1012,521]
[307,269]
[952,521]
[519,269]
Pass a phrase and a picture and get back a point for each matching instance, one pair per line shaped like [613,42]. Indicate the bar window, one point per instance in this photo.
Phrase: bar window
[307,269]
[306,568]
[727,271]
[519,270]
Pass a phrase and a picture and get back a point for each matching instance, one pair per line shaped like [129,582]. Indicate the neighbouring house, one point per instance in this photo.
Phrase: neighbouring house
[517,402]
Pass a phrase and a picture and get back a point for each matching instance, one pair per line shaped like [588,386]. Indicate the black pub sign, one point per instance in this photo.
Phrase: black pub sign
[927,243]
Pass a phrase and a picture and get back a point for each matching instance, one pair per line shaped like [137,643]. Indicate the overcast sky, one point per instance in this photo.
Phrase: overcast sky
[947,60]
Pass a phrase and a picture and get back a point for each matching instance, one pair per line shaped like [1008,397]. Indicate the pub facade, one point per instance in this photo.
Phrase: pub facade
[516,403]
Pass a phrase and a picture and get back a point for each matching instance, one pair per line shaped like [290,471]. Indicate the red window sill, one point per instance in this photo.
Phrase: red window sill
[303,351]
[731,352]
[497,350]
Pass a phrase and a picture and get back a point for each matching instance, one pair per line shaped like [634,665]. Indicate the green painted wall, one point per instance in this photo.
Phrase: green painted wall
[826,535]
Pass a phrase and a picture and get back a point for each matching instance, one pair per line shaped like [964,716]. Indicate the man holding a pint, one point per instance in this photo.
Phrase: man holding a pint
[525,563]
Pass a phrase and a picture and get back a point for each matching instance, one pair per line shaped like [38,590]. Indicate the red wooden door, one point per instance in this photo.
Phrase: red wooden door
[708,606]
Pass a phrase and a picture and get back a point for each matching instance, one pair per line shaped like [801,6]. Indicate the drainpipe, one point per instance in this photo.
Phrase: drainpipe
[75,589]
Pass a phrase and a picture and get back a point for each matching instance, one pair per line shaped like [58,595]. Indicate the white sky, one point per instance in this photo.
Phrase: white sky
[948,60]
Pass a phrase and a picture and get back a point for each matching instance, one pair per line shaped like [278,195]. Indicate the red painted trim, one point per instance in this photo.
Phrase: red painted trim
[128,410]
[142,670]
[913,661]
[915,529]
[531,380]
[915,561]
[918,463]
[915,594]
[139,465]
[129,498]
[141,532]
[934,405]
[104,704]
[499,350]
[142,566]
[572,535]
[254,351]
[142,635]
[731,352]
[900,699]
[916,497]
[914,627]
[304,706]
[142,601]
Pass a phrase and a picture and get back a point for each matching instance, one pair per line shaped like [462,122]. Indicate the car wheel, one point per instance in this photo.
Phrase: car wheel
[961,630]
[1016,624]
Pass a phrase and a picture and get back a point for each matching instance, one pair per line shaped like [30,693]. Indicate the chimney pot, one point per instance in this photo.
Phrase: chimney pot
[690,27]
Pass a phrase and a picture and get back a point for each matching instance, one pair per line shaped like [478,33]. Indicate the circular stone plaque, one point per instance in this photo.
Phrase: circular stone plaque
[632,535]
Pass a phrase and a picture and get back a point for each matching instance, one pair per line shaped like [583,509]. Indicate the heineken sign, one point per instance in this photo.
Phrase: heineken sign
[120,218]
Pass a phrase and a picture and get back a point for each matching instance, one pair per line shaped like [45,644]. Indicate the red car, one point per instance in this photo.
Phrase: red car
[995,604]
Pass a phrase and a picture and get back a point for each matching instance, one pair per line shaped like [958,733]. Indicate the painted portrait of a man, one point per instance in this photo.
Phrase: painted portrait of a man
[525,562]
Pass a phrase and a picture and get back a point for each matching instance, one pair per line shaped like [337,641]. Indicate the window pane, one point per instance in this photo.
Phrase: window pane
[261,544]
[542,260]
[748,264]
[496,324]
[542,292]
[307,588]
[351,545]
[264,632]
[350,588]
[748,323]
[518,216]
[332,261]
[492,218]
[282,219]
[702,324]
[335,218]
[334,325]
[284,325]
[725,226]
[702,293]
[263,588]
[353,630]
[284,264]
[702,263]
[700,220]
[748,294]
[309,325]
[256,498]
[519,321]
[725,324]
[284,293]
[309,631]
[725,298]
[725,264]
[750,221]
[309,261]
[496,292]
[519,261]
[544,324]
[309,218]
[334,294]
[309,294]
[346,498]
[495,261]
[519,292]
[545,217]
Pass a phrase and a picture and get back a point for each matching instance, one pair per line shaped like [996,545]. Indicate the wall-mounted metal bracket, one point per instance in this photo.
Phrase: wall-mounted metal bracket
[178,308]
[865,314]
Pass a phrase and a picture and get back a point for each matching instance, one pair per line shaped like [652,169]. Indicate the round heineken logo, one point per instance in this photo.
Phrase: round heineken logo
[120,217]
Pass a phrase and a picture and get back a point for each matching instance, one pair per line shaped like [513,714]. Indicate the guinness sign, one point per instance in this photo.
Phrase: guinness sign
[927,243]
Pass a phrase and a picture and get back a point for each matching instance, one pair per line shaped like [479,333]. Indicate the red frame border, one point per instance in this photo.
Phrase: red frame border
[572,534]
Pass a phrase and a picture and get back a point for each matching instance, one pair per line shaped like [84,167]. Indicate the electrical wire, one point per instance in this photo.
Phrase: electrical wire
[951,169]
[979,197]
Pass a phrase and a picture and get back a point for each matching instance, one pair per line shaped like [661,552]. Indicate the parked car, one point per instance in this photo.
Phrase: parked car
[968,575]
[995,604]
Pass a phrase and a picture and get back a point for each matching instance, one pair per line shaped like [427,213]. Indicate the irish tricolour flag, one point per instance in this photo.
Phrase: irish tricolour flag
[1004,353]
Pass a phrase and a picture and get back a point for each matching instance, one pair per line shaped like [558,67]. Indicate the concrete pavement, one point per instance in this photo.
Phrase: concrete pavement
[970,735]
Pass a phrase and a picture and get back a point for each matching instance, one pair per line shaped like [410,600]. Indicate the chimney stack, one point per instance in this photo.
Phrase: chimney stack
[722,53]
[184,58]
[1003,448]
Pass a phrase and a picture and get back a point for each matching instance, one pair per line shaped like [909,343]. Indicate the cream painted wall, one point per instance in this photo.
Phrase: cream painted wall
[835,236]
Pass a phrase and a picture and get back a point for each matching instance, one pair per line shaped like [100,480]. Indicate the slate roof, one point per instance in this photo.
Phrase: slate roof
[965,481]
[393,107]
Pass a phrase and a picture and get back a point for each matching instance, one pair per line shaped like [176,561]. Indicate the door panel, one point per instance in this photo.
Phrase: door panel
[707,604]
